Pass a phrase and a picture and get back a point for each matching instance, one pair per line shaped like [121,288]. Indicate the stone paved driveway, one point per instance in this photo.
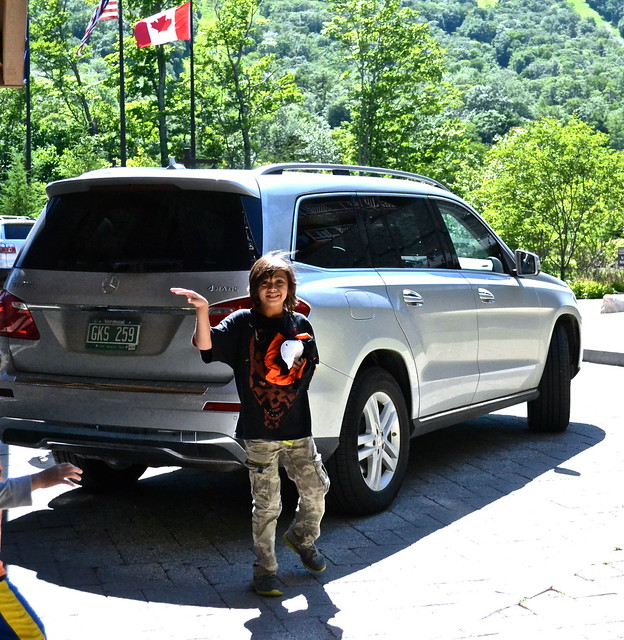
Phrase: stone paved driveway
[496,532]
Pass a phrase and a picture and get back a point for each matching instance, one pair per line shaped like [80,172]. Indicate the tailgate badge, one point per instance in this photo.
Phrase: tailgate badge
[110,284]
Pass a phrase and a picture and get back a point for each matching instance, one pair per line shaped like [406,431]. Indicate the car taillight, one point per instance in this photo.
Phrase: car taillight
[6,247]
[302,307]
[233,407]
[223,309]
[16,320]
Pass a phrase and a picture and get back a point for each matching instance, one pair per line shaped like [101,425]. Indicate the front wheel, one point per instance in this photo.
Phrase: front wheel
[550,412]
[98,475]
[369,465]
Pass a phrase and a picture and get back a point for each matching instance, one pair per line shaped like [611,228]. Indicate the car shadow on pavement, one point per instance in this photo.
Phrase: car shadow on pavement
[183,537]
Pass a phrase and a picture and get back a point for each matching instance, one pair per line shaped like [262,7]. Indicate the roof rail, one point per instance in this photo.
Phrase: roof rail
[346,169]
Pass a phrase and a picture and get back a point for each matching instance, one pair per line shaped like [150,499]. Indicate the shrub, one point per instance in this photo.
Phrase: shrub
[585,288]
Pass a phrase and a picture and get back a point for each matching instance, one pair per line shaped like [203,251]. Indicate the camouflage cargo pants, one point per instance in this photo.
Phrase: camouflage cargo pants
[304,467]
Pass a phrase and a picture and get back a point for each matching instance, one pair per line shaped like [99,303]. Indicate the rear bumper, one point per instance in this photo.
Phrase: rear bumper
[153,448]
[150,447]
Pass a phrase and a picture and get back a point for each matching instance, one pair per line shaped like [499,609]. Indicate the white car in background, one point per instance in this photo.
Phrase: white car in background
[13,233]
[423,317]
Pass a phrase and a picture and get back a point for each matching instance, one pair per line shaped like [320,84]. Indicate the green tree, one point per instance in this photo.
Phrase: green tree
[295,135]
[556,188]
[70,97]
[239,88]
[154,84]
[12,129]
[18,197]
[54,57]
[80,158]
[395,70]
[151,88]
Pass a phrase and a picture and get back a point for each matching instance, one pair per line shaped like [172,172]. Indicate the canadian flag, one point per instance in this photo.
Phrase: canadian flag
[168,26]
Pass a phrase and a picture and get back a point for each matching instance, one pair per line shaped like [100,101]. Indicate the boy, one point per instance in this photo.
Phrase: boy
[17,620]
[274,421]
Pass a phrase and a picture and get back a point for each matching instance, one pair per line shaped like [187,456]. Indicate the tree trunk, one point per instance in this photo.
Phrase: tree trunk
[246,149]
[243,119]
[91,121]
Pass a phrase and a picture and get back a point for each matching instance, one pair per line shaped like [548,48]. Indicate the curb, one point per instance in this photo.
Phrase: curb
[603,357]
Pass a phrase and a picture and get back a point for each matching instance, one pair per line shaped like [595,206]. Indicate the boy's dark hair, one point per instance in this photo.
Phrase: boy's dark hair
[264,268]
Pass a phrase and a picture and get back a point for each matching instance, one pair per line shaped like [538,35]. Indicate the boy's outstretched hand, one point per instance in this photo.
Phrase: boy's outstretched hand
[64,473]
[192,297]
[202,339]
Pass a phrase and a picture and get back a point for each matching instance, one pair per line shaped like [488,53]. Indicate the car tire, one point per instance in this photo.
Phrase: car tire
[369,465]
[98,475]
[550,412]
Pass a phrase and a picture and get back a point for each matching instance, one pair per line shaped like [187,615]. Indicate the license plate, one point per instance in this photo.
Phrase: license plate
[113,334]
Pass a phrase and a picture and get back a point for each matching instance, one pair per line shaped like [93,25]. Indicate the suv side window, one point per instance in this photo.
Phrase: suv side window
[403,234]
[476,248]
[330,233]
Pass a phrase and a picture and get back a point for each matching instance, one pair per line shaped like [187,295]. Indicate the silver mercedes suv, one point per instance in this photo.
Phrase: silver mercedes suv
[423,318]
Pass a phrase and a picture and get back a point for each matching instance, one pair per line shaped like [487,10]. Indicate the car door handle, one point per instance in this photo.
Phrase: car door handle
[486,296]
[412,299]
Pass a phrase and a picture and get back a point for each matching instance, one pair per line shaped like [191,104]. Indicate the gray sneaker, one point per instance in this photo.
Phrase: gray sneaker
[311,558]
[267,585]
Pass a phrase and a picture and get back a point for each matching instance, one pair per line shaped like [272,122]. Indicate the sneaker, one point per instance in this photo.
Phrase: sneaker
[311,558]
[267,585]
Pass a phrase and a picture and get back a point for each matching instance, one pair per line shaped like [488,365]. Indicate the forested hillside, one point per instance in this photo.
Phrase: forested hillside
[526,59]
[506,62]
[512,60]
[429,86]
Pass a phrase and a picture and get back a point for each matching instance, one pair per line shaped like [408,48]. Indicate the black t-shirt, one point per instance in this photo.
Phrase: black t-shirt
[274,404]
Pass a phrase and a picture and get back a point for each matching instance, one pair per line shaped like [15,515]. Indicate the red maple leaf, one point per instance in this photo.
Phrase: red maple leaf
[162,24]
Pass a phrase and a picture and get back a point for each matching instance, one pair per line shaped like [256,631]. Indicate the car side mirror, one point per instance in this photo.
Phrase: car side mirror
[527,263]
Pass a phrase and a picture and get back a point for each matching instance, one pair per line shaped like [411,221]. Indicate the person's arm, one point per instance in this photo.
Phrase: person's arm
[310,351]
[16,492]
[203,339]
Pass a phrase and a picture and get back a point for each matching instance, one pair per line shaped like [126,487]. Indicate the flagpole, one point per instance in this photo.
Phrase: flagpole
[192,71]
[28,157]
[122,88]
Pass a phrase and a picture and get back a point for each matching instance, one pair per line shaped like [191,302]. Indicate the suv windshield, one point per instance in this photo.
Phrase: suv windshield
[145,229]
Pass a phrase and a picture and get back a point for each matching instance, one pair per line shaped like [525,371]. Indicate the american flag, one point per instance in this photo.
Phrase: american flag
[106,10]
[110,11]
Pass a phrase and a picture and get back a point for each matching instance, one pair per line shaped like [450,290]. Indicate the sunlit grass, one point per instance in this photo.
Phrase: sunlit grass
[580,6]
[585,11]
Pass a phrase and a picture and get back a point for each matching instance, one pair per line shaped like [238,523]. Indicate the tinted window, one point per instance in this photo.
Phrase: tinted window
[402,233]
[17,231]
[475,246]
[330,234]
[142,230]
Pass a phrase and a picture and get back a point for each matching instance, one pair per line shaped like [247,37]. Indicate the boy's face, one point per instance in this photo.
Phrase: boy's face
[272,293]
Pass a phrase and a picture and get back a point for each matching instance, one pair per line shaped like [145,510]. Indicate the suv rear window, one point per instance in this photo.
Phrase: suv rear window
[17,231]
[130,230]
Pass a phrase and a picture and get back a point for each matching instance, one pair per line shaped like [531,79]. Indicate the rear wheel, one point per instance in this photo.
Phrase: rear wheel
[550,412]
[369,465]
[98,475]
